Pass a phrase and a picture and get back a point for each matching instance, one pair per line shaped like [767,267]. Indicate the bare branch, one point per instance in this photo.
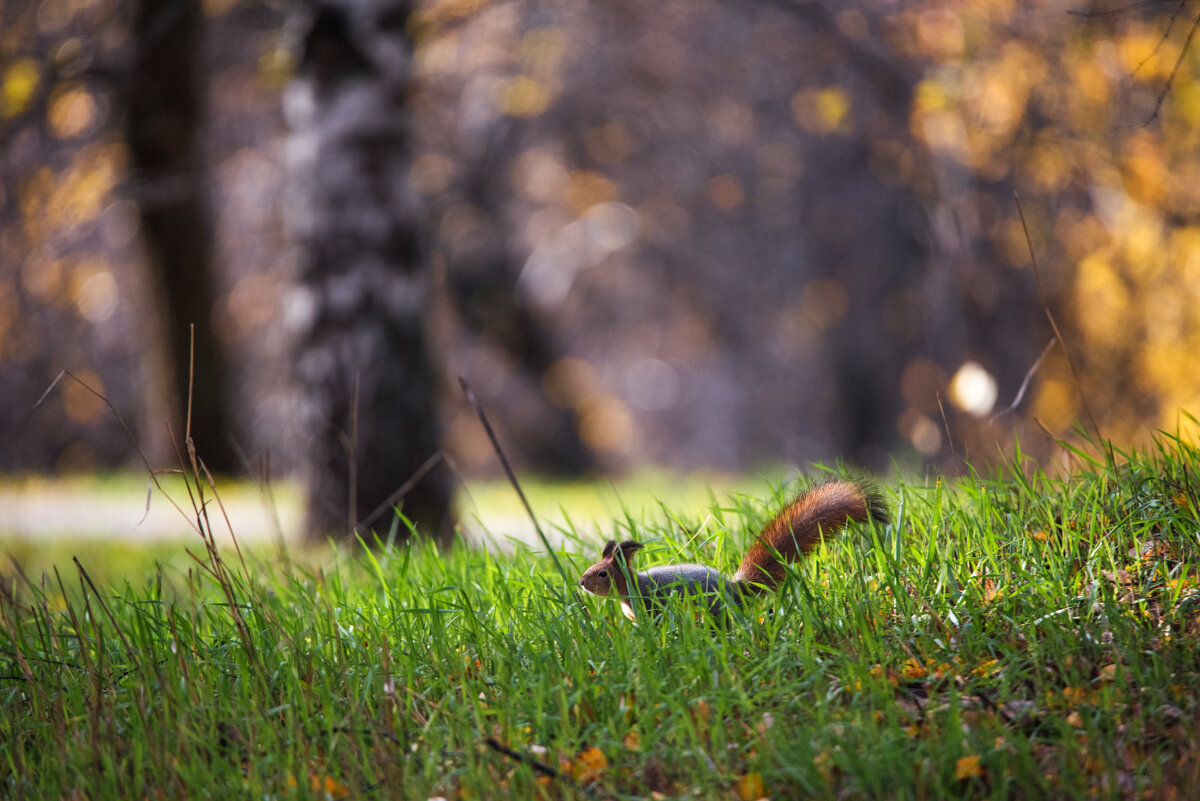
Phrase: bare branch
[1037,277]
[1024,384]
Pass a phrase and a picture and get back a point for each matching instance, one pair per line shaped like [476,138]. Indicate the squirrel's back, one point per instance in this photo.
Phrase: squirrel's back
[678,578]
[654,584]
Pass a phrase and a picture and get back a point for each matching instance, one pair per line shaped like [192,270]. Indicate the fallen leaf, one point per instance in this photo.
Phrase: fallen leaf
[327,784]
[986,667]
[589,765]
[1074,695]
[750,787]
[990,591]
[824,765]
[880,672]
[968,767]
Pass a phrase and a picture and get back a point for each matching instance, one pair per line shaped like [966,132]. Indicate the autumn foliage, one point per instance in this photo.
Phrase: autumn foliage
[687,232]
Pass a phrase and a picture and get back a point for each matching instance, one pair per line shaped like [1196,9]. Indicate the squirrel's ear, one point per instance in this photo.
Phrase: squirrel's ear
[628,548]
[609,547]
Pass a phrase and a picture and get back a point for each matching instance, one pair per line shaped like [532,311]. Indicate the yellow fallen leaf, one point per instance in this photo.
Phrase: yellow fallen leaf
[913,669]
[1074,695]
[331,786]
[968,767]
[750,787]
[1075,720]
[986,667]
[824,765]
[880,672]
[633,741]
[589,765]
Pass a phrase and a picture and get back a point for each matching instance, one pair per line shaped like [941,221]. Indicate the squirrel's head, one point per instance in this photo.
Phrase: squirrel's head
[609,572]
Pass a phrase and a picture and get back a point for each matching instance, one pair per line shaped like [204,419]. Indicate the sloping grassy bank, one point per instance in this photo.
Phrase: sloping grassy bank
[1022,638]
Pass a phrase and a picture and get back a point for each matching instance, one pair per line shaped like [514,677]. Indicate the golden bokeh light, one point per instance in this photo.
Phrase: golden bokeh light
[823,111]
[73,111]
[81,398]
[606,424]
[17,87]
[93,291]
[570,381]
[524,96]
[587,188]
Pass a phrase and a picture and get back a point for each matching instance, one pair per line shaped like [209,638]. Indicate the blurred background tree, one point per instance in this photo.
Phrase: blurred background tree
[363,278]
[162,95]
[692,233]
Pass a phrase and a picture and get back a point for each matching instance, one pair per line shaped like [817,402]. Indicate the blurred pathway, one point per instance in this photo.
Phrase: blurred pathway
[40,509]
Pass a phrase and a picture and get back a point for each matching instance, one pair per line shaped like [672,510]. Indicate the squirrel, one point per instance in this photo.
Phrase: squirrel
[794,532]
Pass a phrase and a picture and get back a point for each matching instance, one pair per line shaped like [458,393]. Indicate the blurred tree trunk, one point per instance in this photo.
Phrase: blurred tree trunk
[481,279]
[164,113]
[363,277]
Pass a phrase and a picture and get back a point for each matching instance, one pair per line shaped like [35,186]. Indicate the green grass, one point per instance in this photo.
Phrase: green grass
[1017,638]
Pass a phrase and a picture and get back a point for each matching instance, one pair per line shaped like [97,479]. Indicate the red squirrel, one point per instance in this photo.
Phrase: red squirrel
[795,531]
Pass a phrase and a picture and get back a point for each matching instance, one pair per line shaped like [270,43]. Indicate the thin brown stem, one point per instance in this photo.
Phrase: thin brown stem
[1037,277]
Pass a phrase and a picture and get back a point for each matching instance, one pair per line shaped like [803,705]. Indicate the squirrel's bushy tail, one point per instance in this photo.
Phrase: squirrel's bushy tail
[819,512]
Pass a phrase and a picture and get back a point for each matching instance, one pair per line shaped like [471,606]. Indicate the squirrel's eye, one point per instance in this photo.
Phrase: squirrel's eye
[603,574]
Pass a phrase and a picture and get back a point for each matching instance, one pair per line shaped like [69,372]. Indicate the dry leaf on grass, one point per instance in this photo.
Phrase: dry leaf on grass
[968,767]
[750,787]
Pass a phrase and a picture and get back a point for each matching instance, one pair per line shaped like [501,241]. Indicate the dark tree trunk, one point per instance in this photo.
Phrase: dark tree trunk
[163,119]
[363,278]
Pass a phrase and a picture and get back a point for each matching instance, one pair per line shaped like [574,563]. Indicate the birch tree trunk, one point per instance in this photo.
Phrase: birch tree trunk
[363,278]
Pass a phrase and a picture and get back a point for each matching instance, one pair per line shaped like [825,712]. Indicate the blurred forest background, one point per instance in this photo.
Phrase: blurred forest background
[685,232]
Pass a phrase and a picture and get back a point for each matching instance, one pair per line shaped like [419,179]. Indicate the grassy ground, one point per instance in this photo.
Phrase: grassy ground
[1024,638]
